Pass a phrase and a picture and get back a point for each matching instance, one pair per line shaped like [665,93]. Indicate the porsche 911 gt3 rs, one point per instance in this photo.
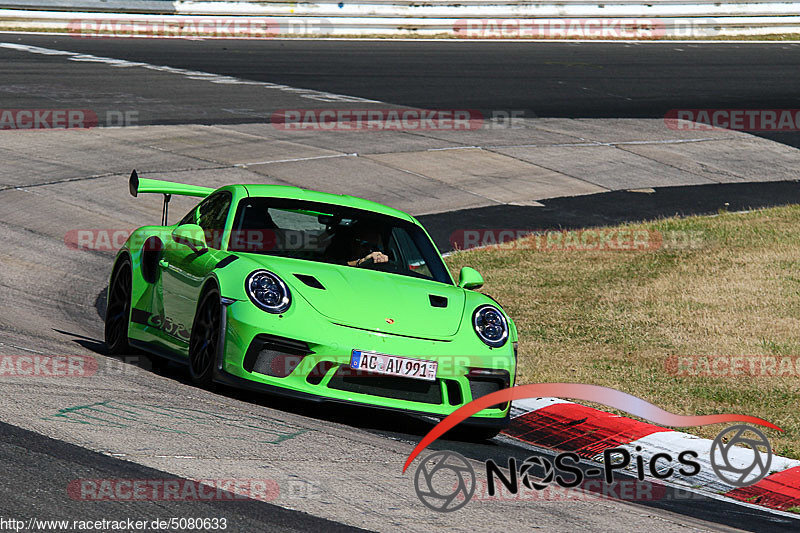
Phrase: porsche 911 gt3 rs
[311,295]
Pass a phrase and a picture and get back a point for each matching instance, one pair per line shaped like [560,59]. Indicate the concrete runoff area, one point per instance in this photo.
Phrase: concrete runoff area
[335,462]
[412,171]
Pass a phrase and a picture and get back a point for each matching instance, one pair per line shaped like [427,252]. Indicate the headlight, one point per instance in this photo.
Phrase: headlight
[490,325]
[268,291]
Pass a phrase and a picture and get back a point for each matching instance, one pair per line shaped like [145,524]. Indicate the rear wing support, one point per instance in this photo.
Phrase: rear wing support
[138,185]
[165,210]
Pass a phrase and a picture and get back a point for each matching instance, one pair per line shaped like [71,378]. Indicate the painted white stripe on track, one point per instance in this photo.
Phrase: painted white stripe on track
[311,94]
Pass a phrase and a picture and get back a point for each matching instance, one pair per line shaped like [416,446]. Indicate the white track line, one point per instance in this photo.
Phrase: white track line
[310,94]
[245,165]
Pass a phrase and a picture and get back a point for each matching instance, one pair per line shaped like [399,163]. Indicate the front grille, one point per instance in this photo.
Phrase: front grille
[414,390]
[454,396]
[319,372]
[274,356]
[482,388]
[483,385]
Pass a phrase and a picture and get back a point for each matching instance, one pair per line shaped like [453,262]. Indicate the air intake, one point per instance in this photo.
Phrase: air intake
[274,356]
[437,301]
[311,281]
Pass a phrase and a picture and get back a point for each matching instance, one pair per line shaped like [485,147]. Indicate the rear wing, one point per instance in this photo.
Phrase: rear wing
[138,185]
[145,185]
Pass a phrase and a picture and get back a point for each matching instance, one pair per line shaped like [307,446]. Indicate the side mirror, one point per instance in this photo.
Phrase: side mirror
[191,235]
[469,278]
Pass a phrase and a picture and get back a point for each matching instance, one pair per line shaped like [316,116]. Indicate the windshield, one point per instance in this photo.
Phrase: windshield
[334,234]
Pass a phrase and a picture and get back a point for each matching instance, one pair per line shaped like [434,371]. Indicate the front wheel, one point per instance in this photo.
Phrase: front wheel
[204,339]
[118,309]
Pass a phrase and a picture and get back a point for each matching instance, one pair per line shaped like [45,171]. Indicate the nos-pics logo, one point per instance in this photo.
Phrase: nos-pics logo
[445,481]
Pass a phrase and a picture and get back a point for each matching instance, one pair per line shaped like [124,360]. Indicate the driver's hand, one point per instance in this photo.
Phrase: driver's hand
[378,257]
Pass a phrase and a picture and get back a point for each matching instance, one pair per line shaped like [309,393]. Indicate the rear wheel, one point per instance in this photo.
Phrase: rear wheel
[118,309]
[204,339]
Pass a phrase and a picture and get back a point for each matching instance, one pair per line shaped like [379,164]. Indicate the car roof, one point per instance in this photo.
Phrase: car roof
[344,200]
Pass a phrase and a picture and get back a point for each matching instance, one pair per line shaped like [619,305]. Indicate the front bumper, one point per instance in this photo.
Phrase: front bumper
[483,422]
[312,356]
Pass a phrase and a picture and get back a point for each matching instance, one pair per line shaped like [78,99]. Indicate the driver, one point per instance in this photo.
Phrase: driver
[366,245]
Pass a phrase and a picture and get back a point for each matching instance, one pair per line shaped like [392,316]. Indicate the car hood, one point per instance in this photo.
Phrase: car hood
[373,300]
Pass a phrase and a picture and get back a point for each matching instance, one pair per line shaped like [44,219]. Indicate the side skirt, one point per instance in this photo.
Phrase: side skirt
[158,350]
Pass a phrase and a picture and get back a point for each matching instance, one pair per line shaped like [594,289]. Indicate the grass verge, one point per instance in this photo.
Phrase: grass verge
[721,285]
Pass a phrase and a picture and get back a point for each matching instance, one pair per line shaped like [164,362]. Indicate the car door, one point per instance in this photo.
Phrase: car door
[184,269]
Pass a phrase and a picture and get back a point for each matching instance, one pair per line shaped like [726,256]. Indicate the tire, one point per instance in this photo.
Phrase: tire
[118,309]
[204,339]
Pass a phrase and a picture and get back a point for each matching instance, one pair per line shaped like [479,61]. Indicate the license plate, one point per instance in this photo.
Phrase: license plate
[393,365]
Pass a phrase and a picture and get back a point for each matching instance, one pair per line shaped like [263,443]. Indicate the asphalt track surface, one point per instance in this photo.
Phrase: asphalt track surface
[588,80]
[51,465]
[559,80]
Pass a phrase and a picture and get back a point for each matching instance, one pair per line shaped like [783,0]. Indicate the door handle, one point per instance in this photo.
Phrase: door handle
[163,263]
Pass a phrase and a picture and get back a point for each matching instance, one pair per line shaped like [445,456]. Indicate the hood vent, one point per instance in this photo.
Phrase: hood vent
[438,301]
[227,261]
[311,281]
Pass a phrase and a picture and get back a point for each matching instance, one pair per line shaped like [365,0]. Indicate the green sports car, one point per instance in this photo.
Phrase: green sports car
[311,295]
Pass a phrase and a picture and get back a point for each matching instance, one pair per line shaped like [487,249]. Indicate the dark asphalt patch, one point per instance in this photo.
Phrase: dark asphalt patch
[37,471]
[612,208]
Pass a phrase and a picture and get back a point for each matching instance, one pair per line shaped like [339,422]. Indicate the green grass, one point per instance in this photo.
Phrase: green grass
[728,284]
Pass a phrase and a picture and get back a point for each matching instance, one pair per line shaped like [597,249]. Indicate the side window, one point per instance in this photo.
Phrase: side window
[189,218]
[407,251]
[212,213]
